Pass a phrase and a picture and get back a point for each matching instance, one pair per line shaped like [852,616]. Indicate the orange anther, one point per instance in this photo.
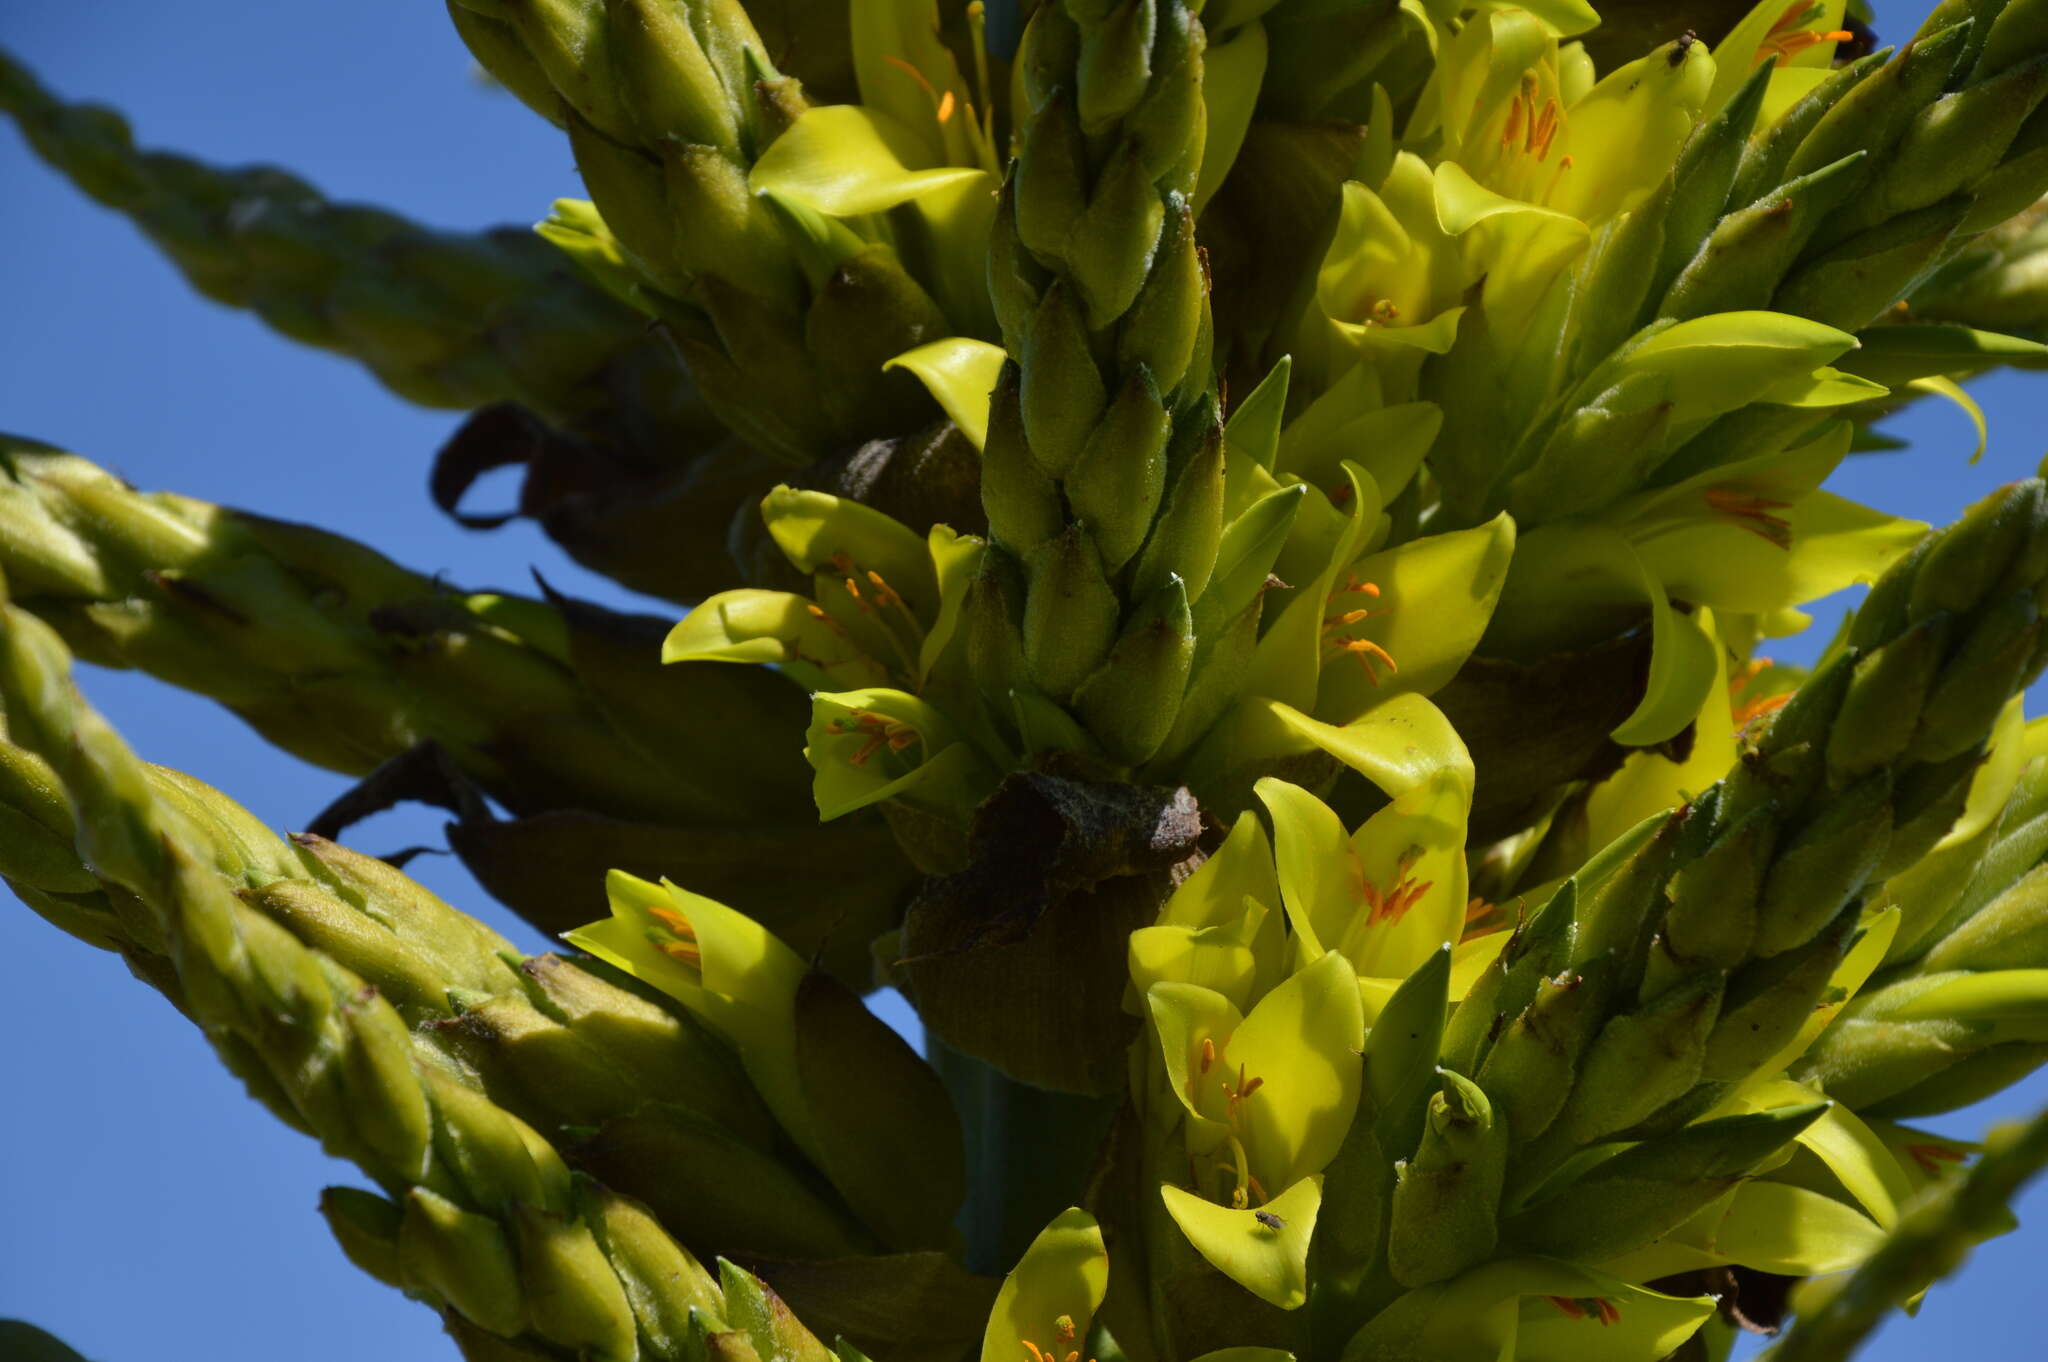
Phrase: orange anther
[1790,36]
[1208,1053]
[1753,513]
[1930,1157]
[1543,131]
[1365,649]
[674,921]
[683,951]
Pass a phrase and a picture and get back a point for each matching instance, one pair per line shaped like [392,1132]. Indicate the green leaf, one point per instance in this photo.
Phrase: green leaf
[1253,431]
[1724,360]
[1899,354]
[1768,1226]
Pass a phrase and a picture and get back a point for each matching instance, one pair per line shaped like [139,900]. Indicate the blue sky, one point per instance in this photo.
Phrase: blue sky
[148,1210]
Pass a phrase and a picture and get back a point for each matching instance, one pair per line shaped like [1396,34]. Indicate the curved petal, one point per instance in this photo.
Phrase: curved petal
[1302,1042]
[777,627]
[1266,1258]
[844,160]
[960,373]
[1051,1296]
[817,531]
[1436,597]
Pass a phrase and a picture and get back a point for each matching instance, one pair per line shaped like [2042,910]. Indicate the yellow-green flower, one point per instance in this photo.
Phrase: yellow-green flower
[1267,1098]
[879,644]
[1756,537]
[1046,1304]
[727,969]
[1532,1310]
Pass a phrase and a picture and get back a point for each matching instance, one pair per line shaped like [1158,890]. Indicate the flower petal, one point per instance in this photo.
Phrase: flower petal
[1267,1260]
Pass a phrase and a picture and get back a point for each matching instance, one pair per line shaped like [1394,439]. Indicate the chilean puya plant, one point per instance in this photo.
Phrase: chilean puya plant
[1228,547]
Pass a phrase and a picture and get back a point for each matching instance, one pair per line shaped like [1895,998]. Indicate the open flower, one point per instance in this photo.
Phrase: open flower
[879,644]
[1267,1098]
[729,971]
[922,137]
[1532,1310]
[1046,1304]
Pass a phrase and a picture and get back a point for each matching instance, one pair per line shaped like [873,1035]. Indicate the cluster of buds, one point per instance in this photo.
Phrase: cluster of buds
[1255,520]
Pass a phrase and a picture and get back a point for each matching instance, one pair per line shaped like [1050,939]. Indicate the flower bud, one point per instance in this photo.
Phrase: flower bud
[1115,484]
[1130,703]
[1447,1198]
[1061,388]
[1070,613]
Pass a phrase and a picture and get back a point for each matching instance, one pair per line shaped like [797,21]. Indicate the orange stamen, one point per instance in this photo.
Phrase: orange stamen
[1930,1157]
[1790,36]
[880,732]
[912,72]
[1365,649]
[1544,130]
[1393,905]
[1753,513]
[674,921]
[1208,1053]
[1481,919]
[683,951]
[1510,134]
[822,616]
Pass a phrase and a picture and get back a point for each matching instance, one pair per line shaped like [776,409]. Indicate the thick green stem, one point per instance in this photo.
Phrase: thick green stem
[1029,1152]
